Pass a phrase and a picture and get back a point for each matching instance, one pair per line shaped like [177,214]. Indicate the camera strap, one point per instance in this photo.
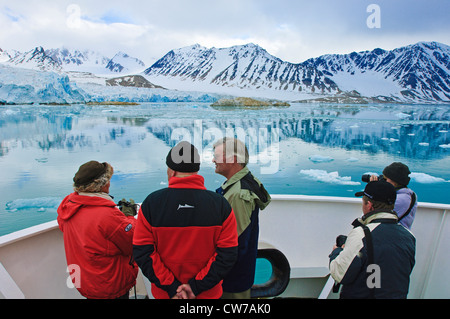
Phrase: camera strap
[413,201]
[370,256]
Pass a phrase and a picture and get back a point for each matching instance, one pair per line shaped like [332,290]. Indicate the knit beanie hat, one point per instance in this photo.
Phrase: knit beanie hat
[89,172]
[183,158]
[398,172]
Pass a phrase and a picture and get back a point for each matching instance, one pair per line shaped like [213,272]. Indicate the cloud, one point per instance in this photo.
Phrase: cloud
[11,15]
[291,30]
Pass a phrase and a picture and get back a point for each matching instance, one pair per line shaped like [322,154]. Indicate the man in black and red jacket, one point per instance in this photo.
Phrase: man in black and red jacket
[185,240]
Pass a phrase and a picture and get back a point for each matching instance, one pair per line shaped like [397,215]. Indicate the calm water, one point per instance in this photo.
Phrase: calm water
[311,149]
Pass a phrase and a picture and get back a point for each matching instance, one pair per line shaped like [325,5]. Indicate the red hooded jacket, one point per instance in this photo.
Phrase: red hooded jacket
[98,239]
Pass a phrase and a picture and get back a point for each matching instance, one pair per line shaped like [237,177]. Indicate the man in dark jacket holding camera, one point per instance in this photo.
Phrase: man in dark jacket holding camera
[378,256]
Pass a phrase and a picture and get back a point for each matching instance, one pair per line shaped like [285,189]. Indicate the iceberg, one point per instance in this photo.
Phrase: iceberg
[331,178]
[40,203]
[425,178]
[320,159]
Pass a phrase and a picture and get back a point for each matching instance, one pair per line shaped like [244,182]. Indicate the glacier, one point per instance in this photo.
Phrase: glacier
[26,86]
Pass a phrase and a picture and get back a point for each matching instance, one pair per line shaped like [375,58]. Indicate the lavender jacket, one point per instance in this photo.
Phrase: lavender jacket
[402,204]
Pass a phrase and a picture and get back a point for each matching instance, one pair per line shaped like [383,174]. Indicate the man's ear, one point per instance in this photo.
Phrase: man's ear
[170,173]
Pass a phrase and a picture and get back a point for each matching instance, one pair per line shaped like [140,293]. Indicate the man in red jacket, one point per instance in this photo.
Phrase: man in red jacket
[97,236]
[185,240]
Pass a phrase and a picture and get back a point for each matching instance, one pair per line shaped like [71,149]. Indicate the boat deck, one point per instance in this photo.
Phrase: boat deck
[303,228]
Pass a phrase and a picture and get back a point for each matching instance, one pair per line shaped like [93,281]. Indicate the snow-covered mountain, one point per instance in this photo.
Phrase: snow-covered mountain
[416,73]
[35,59]
[419,72]
[73,60]
[79,60]
[6,55]
[123,63]
[244,67]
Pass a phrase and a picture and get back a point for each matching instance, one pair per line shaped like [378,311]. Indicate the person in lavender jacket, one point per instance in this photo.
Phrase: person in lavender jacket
[397,174]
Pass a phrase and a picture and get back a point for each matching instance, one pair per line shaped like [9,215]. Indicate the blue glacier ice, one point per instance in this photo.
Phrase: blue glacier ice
[27,86]
[41,202]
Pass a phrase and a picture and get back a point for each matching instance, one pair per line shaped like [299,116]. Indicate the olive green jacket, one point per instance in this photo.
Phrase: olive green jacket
[244,199]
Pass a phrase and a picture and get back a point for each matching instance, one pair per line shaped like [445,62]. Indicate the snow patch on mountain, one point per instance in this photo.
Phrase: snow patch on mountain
[375,84]
[123,63]
[35,59]
[79,60]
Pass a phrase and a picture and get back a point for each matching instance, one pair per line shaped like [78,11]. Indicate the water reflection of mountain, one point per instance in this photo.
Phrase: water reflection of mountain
[415,133]
[52,131]
[412,140]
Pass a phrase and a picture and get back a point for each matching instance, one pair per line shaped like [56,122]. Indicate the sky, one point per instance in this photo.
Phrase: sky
[292,30]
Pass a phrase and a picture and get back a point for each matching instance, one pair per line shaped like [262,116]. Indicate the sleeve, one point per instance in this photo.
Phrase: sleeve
[122,231]
[222,261]
[148,258]
[346,264]
[242,206]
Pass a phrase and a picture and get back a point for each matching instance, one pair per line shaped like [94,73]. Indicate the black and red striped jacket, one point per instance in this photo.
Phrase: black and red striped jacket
[185,234]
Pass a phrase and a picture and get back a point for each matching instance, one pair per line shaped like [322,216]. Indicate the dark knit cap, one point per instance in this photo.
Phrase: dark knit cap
[89,172]
[398,172]
[183,158]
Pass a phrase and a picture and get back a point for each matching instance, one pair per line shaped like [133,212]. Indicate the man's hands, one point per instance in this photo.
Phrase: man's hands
[184,292]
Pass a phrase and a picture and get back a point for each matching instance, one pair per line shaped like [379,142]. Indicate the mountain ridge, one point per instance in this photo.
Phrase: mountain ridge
[73,60]
[416,73]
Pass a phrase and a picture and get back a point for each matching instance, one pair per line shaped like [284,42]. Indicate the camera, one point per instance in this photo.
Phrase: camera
[129,208]
[340,240]
[366,178]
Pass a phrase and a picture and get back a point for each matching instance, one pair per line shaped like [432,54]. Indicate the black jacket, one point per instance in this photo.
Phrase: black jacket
[393,256]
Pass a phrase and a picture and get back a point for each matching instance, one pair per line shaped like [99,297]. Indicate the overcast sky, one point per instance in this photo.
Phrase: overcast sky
[293,30]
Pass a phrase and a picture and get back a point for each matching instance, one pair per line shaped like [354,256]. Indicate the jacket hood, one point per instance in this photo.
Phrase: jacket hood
[72,203]
[264,198]
[253,190]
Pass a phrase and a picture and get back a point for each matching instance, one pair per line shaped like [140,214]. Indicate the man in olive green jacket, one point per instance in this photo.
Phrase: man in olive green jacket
[247,196]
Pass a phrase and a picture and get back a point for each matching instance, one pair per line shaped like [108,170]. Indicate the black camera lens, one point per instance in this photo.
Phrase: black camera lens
[366,178]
